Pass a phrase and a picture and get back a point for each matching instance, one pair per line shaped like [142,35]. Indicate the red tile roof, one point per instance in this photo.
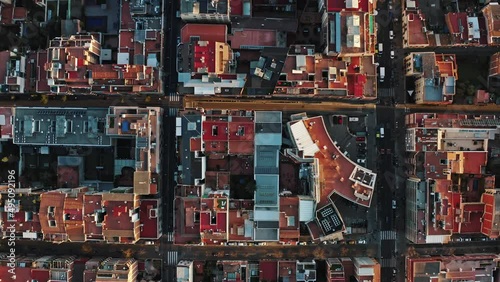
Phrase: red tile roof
[474,162]
[215,131]
[92,203]
[126,17]
[491,214]
[6,129]
[55,200]
[252,37]
[206,32]
[40,275]
[472,214]
[335,173]
[416,36]
[236,7]
[268,270]
[457,24]
[289,208]
[149,219]
[41,82]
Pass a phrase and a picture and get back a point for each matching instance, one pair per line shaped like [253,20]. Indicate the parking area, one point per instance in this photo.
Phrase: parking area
[350,133]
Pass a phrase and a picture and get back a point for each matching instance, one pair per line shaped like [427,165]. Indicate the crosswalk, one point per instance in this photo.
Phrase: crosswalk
[174,97]
[173,112]
[388,262]
[386,92]
[170,236]
[172,258]
[388,235]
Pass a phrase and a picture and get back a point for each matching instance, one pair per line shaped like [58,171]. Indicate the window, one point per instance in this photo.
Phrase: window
[215,130]
[52,223]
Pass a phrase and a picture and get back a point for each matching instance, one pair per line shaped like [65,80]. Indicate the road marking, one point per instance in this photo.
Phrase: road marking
[388,235]
[170,236]
[172,112]
[171,258]
[174,97]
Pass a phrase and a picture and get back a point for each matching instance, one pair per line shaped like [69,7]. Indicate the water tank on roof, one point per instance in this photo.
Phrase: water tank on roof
[125,126]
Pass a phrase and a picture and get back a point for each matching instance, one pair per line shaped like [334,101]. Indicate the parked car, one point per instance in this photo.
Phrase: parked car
[361,161]
[360,139]
[391,34]
[394,204]
[362,145]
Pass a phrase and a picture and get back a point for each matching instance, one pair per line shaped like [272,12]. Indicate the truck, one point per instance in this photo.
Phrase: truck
[382,74]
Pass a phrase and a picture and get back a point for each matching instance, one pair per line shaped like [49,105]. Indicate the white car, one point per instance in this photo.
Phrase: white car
[391,34]
[392,54]
[361,161]
[394,204]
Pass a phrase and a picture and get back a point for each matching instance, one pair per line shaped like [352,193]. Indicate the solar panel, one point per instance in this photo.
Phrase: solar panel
[335,219]
[326,212]
[326,225]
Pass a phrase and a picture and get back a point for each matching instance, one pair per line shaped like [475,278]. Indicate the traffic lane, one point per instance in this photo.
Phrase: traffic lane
[86,249]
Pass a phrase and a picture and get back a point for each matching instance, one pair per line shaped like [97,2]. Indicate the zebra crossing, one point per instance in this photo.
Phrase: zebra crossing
[173,112]
[388,262]
[174,97]
[388,235]
[386,92]
[172,258]
[170,236]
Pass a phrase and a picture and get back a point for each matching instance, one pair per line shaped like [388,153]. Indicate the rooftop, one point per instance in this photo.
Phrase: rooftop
[205,7]
[241,38]
[415,29]
[205,32]
[150,219]
[61,126]
[6,129]
[337,173]
[491,12]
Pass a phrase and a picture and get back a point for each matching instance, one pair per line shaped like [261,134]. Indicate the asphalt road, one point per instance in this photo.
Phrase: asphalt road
[170,106]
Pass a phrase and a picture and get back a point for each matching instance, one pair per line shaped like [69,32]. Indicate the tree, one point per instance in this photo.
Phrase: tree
[411,252]
[64,98]
[87,249]
[319,253]
[470,90]
[147,99]
[128,253]
[344,251]
[44,100]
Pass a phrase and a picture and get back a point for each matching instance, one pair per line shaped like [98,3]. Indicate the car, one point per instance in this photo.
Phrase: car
[362,145]
[393,204]
[391,34]
[361,161]
[360,139]
[392,54]
[361,150]
[362,241]
[361,156]
[305,31]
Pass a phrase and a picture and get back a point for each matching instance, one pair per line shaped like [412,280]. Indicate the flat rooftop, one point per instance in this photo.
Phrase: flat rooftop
[61,126]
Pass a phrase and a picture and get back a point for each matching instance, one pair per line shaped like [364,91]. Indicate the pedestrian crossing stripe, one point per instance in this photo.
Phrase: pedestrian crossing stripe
[170,236]
[388,235]
[172,258]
